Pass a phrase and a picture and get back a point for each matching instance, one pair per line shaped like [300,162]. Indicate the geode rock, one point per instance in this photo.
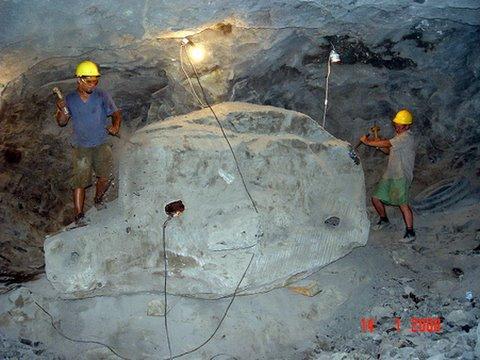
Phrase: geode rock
[305,207]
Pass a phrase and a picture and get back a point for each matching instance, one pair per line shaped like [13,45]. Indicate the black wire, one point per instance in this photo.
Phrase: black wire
[215,356]
[223,317]
[253,204]
[165,287]
[223,131]
[165,317]
[165,257]
[76,340]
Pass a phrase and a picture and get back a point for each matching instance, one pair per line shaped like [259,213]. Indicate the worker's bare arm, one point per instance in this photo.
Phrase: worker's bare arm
[378,143]
[116,122]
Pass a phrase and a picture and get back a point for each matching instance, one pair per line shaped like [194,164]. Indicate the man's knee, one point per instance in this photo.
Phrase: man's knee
[376,200]
[103,180]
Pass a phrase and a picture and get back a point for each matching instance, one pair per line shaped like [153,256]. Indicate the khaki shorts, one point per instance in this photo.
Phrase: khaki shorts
[85,160]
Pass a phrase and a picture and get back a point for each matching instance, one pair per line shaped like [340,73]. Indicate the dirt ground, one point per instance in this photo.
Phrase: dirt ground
[386,300]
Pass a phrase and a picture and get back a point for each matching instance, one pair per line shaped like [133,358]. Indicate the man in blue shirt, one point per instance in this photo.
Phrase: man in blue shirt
[89,108]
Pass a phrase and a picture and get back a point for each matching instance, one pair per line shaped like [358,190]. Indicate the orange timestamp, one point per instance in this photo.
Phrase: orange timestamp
[417,324]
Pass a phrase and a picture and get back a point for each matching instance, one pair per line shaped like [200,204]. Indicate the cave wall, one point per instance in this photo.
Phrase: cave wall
[418,54]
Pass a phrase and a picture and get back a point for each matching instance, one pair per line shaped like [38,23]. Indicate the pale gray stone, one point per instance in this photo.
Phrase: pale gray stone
[439,347]
[382,312]
[405,353]
[344,356]
[467,355]
[436,357]
[459,317]
[299,176]
[477,346]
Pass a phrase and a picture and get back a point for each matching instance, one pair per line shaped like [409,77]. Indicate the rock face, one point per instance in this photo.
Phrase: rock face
[307,187]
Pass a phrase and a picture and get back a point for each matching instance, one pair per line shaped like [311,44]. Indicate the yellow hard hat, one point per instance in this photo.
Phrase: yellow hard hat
[403,117]
[87,68]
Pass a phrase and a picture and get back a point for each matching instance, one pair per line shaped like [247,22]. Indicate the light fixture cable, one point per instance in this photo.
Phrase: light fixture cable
[223,132]
[165,265]
[326,94]
[223,317]
[333,57]
[192,91]
[57,329]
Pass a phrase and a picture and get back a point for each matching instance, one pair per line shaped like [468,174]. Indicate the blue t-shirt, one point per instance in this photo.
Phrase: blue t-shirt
[90,118]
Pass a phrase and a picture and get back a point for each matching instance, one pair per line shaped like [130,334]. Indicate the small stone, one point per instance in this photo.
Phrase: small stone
[458,318]
[20,297]
[437,357]
[457,272]
[311,288]
[381,312]
[399,260]
[406,352]
[467,355]
[438,347]
[455,353]
[26,341]
[477,347]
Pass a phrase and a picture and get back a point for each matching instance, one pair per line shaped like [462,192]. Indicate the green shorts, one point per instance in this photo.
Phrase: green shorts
[393,191]
[98,159]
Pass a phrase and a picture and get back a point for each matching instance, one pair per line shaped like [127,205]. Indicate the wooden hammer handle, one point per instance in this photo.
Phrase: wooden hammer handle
[59,94]
[57,91]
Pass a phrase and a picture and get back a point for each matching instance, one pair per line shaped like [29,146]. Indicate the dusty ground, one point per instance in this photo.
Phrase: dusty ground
[383,280]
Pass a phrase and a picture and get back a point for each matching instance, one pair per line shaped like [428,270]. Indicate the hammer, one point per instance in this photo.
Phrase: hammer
[57,91]
[375,129]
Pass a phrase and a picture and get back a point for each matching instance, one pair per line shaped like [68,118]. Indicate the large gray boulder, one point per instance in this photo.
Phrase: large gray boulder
[307,186]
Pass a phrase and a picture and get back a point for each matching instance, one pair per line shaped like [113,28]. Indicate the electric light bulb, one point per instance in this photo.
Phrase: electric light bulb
[334,57]
[197,53]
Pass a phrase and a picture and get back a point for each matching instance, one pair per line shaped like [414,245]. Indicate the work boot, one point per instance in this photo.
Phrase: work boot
[381,224]
[408,237]
[80,218]
[99,203]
